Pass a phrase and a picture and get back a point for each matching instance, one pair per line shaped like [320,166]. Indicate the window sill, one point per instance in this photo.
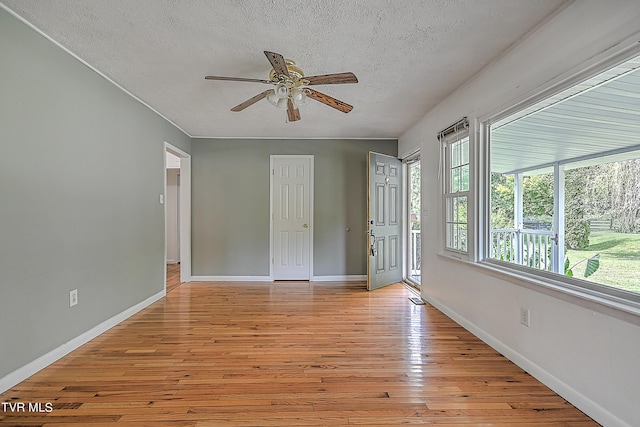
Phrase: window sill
[615,302]
[455,255]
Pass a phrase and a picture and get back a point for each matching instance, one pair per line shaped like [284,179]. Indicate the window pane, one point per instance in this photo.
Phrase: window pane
[449,235]
[464,178]
[454,234]
[455,180]
[462,210]
[457,184]
[454,209]
[462,233]
[455,155]
[464,151]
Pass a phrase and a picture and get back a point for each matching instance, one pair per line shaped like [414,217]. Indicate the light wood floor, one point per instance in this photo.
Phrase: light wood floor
[264,354]
[173,276]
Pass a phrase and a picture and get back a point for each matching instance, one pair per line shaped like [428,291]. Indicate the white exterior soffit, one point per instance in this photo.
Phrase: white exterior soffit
[596,121]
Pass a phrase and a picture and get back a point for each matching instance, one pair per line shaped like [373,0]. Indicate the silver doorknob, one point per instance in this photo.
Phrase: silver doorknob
[306,225]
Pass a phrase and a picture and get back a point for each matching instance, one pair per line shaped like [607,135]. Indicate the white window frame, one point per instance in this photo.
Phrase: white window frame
[453,134]
[617,299]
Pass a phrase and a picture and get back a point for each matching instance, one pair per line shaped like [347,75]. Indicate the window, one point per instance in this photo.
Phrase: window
[562,183]
[455,145]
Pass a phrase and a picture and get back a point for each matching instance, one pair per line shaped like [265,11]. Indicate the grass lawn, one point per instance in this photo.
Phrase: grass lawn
[619,260]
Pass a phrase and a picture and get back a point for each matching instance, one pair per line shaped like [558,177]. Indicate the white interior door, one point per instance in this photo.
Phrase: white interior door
[384,222]
[291,213]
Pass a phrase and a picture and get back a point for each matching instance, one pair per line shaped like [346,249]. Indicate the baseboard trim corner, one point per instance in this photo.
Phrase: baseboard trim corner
[594,410]
[12,379]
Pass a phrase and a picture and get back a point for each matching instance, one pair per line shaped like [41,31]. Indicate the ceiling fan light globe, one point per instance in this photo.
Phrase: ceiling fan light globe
[282,103]
[298,95]
[273,98]
[281,90]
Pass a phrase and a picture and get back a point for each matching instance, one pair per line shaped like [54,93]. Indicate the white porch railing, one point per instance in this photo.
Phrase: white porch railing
[531,248]
[415,253]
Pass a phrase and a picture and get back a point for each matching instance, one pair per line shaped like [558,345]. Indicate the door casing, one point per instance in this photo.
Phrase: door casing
[184,208]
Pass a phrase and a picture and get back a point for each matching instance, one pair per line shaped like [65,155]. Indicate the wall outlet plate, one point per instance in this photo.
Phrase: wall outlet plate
[525,316]
[73,298]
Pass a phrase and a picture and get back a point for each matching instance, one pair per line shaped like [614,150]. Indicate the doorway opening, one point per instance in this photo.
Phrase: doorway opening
[177,204]
[413,235]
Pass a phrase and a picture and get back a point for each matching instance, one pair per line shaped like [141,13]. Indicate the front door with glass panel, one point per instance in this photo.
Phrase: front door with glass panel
[384,221]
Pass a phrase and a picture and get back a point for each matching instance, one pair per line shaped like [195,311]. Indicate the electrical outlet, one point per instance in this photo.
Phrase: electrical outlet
[73,298]
[525,316]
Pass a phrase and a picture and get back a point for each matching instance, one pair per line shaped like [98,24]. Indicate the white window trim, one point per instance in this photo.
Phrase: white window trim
[590,292]
[471,194]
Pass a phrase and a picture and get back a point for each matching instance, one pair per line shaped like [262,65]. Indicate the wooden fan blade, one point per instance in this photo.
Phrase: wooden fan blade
[292,112]
[330,101]
[251,101]
[332,79]
[237,79]
[277,62]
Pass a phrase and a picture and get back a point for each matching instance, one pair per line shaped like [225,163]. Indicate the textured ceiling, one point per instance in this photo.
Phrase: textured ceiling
[407,54]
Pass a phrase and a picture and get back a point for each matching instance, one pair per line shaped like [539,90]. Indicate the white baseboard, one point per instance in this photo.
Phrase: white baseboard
[230,279]
[172,261]
[341,278]
[42,362]
[573,396]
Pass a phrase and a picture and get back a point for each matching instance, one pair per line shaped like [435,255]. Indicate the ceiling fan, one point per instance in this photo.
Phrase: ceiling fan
[292,87]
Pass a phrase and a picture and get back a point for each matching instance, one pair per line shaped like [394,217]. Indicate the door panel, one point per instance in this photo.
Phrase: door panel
[383,225]
[291,217]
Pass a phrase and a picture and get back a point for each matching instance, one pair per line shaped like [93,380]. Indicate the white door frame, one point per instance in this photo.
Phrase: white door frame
[311,223]
[184,206]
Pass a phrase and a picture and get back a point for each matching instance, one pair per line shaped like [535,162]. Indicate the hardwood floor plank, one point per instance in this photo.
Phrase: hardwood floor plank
[173,276]
[272,354]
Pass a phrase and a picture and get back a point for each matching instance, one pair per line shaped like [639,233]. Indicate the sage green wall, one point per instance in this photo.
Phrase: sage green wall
[81,171]
[230,210]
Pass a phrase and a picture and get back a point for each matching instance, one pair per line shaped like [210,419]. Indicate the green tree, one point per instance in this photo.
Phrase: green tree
[625,195]
[576,228]
[415,203]
[501,201]
[597,190]
[537,197]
